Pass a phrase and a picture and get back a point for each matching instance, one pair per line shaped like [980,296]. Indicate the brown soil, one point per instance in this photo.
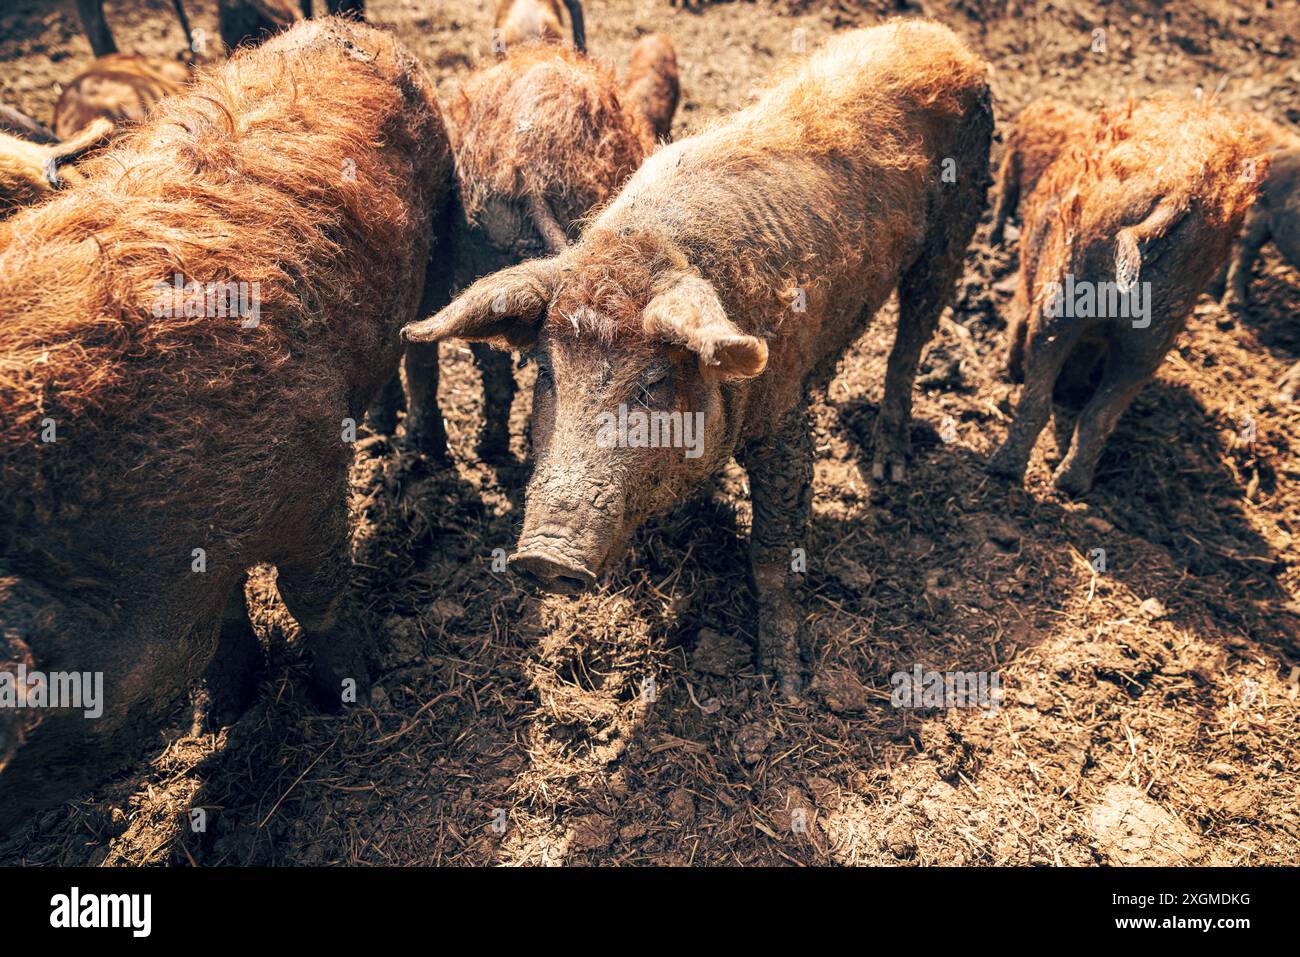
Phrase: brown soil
[1150,713]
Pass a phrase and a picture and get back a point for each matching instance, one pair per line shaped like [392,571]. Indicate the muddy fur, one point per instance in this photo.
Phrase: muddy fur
[726,279]
[653,85]
[30,172]
[1038,136]
[540,140]
[313,166]
[1154,193]
[121,87]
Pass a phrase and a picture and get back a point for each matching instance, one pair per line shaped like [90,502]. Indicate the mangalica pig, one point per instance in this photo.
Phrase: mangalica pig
[653,86]
[528,21]
[1039,135]
[186,341]
[722,285]
[1122,234]
[121,87]
[1274,218]
[540,140]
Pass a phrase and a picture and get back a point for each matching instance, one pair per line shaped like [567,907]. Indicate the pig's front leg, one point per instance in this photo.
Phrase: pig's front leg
[780,468]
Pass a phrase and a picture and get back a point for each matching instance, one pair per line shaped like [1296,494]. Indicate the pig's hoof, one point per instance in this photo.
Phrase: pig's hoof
[431,446]
[1072,483]
[892,444]
[897,470]
[792,688]
[495,450]
[334,688]
[783,664]
[1007,466]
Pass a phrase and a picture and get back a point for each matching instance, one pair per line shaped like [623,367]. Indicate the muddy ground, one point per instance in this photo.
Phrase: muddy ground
[1149,713]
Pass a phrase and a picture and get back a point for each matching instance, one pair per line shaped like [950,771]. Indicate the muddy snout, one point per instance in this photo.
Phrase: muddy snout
[550,571]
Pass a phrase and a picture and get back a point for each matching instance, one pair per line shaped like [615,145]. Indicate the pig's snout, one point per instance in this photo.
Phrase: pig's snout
[550,571]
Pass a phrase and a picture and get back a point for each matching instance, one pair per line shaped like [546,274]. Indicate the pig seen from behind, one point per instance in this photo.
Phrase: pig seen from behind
[1123,232]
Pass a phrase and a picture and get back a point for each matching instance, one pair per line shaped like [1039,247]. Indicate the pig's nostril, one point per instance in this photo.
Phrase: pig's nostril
[551,573]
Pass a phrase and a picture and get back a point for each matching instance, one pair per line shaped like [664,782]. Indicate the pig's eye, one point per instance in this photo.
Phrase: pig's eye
[656,388]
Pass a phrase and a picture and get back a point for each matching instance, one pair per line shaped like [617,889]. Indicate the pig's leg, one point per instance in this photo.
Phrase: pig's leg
[780,469]
[383,413]
[1045,352]
[1252,239]
[314,583]
[1008,195]
[231,679]
[424,429]
[924,291]
[495,367]
[1123,379]
[1016,330]
[91,13]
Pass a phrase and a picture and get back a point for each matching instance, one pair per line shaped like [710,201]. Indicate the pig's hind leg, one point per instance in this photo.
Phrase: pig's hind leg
[1126,372]
[1242,262]
[925,290]
[230,681]
[314,581]
[1045,350]
[425,432]
[927,285]
[497,372]
[780,469]
[382,414]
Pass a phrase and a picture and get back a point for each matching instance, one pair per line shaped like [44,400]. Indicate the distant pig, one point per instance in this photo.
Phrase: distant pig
[1123,233]
[120,87]
[1038,136]
[525,21]
[652,85]
[540,140]
[186,342]
[722,285]
[1275,216]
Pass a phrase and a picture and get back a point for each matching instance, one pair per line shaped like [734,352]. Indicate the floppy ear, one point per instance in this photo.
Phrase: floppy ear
[689,313]
[504,308]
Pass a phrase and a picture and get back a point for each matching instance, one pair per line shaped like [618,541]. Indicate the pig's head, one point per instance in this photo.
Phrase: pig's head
[634,352]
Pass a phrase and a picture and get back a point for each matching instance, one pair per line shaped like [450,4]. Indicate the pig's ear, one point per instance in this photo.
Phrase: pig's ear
[504,308]
[689,313]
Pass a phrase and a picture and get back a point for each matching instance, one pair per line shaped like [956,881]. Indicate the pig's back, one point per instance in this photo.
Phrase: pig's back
[843,146]
[166,422]
[875,96]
